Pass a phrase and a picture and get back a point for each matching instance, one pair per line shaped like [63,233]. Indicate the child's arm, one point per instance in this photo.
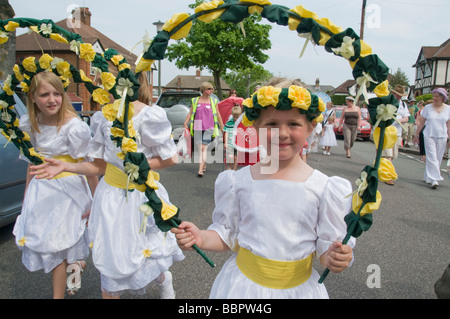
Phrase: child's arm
[53,167]
[188,234]
[337,258]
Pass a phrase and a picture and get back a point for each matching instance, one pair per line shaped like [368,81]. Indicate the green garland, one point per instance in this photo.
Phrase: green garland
[369,72]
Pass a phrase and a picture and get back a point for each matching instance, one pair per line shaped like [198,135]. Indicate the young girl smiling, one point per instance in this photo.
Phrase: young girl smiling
[276,220]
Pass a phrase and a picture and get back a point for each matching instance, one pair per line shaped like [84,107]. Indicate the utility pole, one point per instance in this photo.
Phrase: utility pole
[363,15]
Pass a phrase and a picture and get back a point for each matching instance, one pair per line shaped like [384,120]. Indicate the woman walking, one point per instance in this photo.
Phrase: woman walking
[350,119]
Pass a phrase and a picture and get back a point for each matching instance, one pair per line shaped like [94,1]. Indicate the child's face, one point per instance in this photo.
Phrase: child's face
[47,99]
[286,130]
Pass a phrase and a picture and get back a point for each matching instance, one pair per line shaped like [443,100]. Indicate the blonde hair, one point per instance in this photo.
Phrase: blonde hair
[144,90]
[205,85]
[236,110]
[65,112]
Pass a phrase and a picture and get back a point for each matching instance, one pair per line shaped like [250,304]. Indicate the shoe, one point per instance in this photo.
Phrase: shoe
[434,185]
[166,288]
[391,182]
[328,153]
[74,272]
[200,174]
[324,153]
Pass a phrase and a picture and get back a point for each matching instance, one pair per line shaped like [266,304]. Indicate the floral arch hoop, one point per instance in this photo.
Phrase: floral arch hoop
[368,70]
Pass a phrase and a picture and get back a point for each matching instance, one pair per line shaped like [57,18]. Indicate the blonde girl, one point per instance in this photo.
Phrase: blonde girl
[51,230]
[279,213]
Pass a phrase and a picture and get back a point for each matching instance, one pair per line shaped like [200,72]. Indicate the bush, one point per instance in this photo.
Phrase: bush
[424,97]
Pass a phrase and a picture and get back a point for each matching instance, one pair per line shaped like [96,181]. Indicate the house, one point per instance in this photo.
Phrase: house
[32,45]
[193,82]
[432,68]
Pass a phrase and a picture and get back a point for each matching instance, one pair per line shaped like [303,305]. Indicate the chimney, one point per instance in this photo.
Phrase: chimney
[83,15]
[198,74]
[317,85]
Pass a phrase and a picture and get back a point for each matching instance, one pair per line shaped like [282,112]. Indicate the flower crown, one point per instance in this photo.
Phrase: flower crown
[282,99]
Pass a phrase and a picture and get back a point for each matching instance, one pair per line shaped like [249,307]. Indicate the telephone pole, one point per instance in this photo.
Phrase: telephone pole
[363,15]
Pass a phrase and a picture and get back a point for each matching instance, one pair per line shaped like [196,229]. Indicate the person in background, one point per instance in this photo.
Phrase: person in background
[230,150]
[408,133]
[205,123]
[350,120]
[421,144]
[436,118]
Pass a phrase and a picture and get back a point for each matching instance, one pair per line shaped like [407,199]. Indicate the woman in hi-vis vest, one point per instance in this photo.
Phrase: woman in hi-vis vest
[205,122]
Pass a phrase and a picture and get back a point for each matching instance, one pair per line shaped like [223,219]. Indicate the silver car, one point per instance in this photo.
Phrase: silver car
[13,172]
[177,105]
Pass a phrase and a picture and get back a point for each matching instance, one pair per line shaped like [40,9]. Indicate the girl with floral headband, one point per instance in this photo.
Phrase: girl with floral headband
[128,249]
[279,213]
[51,230]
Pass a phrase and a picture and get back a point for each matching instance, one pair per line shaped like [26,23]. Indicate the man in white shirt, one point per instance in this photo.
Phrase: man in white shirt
[402,116]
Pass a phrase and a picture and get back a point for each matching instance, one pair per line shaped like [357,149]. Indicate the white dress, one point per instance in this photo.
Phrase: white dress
[329,137]
[50,223]
[279,220]
[117,245]
[435,139]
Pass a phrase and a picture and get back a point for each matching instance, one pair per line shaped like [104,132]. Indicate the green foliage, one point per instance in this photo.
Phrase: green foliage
[244,81]
[424,97]
[399,78]
[220,46]
[338,99]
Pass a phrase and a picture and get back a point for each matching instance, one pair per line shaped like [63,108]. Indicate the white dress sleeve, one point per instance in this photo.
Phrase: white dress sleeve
[226,215]
[97,143]
[79,136]
[156,133]
[332,210]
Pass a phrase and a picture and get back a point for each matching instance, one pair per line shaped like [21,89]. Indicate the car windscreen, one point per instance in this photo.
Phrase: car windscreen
[169,101]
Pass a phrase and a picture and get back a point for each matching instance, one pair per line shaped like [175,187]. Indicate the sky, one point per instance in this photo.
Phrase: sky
[394,29]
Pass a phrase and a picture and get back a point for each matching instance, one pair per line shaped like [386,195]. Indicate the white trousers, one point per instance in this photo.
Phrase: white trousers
[435,149]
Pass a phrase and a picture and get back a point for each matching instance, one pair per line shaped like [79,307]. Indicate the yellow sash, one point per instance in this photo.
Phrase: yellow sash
[117,178]
[67,159]
[273,273]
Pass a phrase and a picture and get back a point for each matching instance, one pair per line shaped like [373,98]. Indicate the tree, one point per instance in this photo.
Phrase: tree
[245,80]
[399,78]
[220,46]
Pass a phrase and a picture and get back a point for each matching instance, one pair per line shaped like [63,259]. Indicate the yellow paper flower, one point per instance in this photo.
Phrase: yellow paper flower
[123,66]
[34,153]
[121,155]
[101,96]
[87,52]
[268,95]
[151,179]
[117,132]
[3,37]
[175,21]
[84,77]
[110,111]
[301,11]
[368,207]
[17,73]
[128,145]
[168,211]
[319,119]
[386,171]
[26,137]
[91,244]
[59,38]
[108,80]
[382,89]
[246,122]
[21,242]
[147,253]
[248,103]
[11,26]
[300,97]
[45,61]
[144,65]
[330,25]
[206,6]
[7,85]
[257,9]
[63,69]
[390,136]
[322,106]
[29,64]
[116,59]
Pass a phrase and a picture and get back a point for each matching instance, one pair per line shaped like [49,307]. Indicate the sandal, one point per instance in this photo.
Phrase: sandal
[200,174]
[74,272]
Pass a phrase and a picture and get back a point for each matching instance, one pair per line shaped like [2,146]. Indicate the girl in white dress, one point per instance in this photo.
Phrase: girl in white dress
[128,259]
[51,230]
[277,214]
[328,138]
[436,119]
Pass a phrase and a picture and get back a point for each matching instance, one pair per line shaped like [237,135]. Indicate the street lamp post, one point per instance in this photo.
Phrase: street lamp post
[159,26]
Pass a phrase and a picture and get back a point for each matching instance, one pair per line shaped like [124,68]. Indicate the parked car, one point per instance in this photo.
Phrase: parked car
[363,130]
[177,105]
[13,172]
